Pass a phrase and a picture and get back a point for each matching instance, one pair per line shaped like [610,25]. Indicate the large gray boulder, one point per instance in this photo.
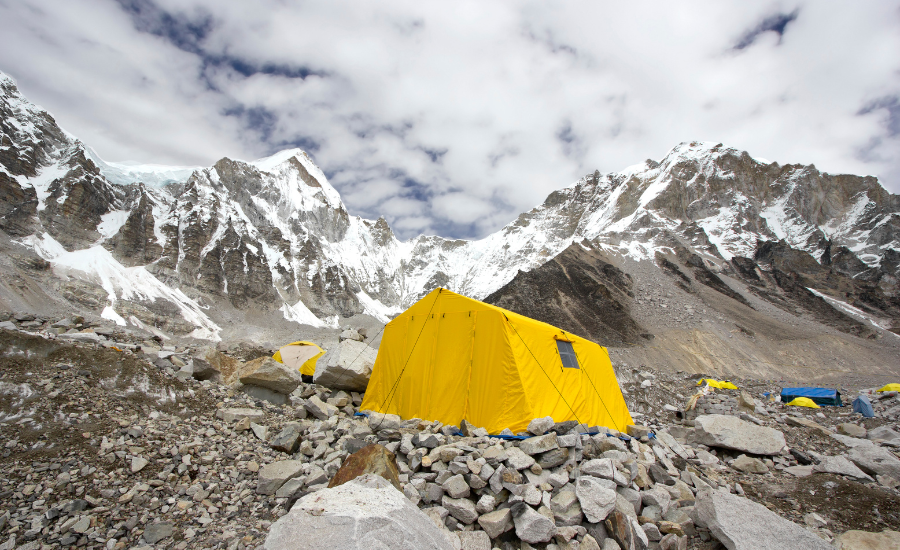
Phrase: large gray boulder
[875,460]
[741,524]
[730,432]
[366,513]
[268,373]
[346,367]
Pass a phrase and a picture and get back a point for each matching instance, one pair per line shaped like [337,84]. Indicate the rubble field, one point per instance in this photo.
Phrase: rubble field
[109,441]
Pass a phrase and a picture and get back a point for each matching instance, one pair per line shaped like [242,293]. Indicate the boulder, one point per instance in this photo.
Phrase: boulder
[539,444]
[210,364]
[626,531]
[270,374]
[853,430]
[262,394]
[596,500]
[750,465]
[272,476]
[346,367]
[885,433]
[289,439]
[741,524]
[320,409]
[840,466]
[539,426]
[730,432]
[566,508]
[350,334]
[531,526]
[373,459]
[365,513]
[496,523]
[864,540]
[875,460]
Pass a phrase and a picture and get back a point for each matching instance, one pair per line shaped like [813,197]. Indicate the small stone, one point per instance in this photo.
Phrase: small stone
[456,487]
[637,431]
[230,415]
[462,509]
[750,465]
[853,430]
[496,523]
[138,463]
[156,532]
[474,540]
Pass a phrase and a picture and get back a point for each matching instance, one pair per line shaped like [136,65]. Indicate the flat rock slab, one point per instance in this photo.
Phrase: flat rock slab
[233,415]
[366,513]
[875,460]
[373,459]
[272,476]
[840,466]
[741,524]
[730,432]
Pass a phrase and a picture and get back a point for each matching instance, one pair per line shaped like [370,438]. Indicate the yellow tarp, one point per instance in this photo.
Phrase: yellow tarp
[804,402]
[721,384]
[465,359]
[304,361]
[891,387]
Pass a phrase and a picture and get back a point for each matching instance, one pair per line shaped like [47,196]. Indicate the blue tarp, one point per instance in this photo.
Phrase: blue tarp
[821,396]
[863,406]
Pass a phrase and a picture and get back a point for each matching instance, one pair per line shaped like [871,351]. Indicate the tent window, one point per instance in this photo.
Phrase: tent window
[567,354]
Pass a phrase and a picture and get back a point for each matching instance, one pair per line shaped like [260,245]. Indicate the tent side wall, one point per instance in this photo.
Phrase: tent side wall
[589,394]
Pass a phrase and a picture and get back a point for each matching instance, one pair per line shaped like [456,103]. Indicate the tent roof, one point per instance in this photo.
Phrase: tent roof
[427,303]
[810,392]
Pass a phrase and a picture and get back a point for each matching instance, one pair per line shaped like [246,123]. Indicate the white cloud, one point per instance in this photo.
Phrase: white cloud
[454,120]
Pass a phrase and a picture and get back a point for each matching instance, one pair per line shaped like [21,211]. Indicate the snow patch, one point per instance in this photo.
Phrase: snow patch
[301,314]
[111,222]
[110,313]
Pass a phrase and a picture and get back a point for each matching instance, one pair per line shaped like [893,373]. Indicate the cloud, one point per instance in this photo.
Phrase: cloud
[453,121]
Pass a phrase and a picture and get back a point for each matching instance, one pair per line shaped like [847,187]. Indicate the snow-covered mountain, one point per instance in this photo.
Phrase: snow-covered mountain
[158,246]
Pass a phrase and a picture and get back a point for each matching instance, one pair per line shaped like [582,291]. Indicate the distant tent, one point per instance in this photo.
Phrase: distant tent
[803,402]
[451,358]
[863,406]
[721,384]
[890,387]
[301,356]
[821,396]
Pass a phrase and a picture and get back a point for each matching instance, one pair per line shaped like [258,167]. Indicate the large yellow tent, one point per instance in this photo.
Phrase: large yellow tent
[452,358]
[300,355]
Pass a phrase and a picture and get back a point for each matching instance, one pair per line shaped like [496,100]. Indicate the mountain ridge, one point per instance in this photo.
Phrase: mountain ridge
[274,235]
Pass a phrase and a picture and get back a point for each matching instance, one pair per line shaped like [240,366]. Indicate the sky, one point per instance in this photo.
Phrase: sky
[452,118]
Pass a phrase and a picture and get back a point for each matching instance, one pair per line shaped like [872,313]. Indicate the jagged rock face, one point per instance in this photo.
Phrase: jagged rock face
[579,292]
[273,234]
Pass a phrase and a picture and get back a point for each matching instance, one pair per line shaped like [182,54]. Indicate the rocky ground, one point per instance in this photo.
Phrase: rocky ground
[109,441]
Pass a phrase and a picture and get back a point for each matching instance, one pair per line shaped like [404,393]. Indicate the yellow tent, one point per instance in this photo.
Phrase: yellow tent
[890,387]
[301,356]
[721,384]
[451,358]
[804,402]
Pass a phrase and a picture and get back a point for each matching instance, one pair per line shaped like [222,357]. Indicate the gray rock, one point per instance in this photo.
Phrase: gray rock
[596,500]
[531,526]
[497,522]
[518,460]
[320,409]
[552,459]
[156,532]
[539,426]
[599,467]
[350,334]
[364,513]
[853,430]
[456,487]
[741,524]
[840,466]
[730,432]
[462,509]
[272,476]
[232,415]
[138,463]
[566,508]
[261,432]
[264,394]
[8,325]
[539,444]
[269,373]
[657,497]
[290,488]
[346,367]
[875,460]
[80,336]
[885,433]
[750,465]
[288,440]
[474,540]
